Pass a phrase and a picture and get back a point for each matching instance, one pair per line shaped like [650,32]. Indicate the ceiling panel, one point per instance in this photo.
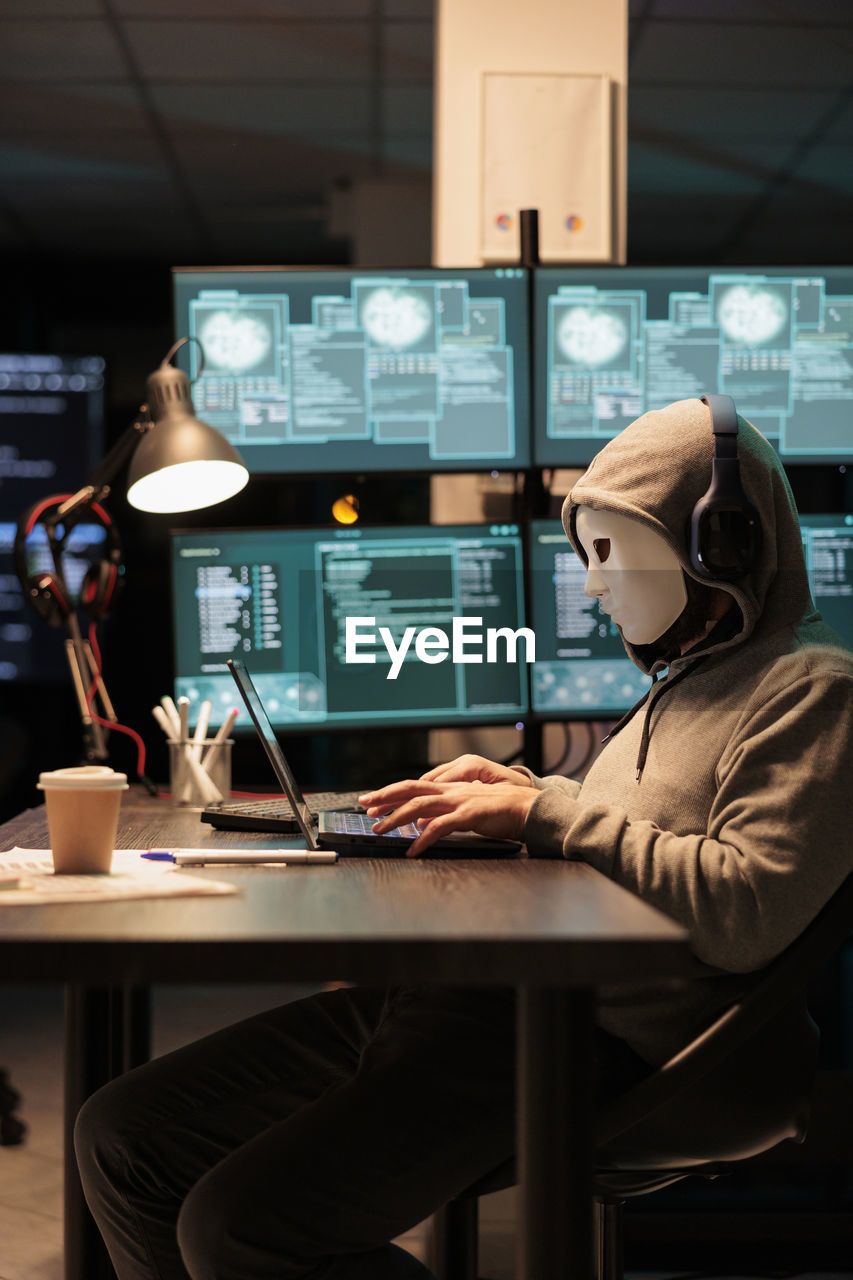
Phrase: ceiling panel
[408,51]
[407,110]
[274,168]
[790,12]
[224,125]
[31,9]
[58,110]
[232,52]
[710,114]
[253,109]
[408,8]
[828,165]
[740,55]
[59,51]
[113,157]
[411,153]
[246,12]
[657,169]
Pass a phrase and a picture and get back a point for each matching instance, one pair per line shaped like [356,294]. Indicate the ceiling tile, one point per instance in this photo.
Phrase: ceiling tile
[407,110]
[271,168]
[759,11]
[408,51]
[739,55]
[59,110]
[59,51]
[408,8]
[707,113]
[660,169]
[245,11]
[39,9]
[828,165]
[252,109]
[118,158]
[199,51]
[412,152]
[90,193]
[841,127]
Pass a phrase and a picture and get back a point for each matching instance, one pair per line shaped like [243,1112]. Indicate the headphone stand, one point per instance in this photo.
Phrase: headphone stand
[84,669]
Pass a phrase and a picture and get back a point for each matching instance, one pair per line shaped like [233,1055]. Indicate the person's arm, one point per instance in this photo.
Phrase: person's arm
[779,838]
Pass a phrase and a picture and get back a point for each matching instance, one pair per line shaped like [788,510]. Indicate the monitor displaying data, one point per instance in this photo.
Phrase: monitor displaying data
[333,371]
[828,546]
[354,627]
[51,437]
[612,343]
[582,670]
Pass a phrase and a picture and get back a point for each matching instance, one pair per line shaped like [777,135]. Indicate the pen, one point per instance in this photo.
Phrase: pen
[162,718]
[210,755]
[201,728]
[171,712]
[238,857]
[184,717]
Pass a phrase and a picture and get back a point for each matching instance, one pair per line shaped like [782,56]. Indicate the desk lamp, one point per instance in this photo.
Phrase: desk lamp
[177,463]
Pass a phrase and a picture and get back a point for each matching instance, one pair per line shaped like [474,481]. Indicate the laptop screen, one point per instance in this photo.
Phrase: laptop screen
[281,768]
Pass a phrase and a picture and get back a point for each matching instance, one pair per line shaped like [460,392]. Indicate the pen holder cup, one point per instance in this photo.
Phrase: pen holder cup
[200,773]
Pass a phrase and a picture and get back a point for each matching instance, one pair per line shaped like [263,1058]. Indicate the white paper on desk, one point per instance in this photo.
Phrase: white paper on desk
[131,877]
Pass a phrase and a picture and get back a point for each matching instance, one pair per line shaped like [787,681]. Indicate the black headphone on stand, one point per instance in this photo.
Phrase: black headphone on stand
[47,592]
[725,532]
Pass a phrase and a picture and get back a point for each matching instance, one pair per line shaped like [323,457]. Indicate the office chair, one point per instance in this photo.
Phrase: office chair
[738,1090]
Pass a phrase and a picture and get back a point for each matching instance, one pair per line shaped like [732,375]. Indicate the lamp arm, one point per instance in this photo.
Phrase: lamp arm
[98,484]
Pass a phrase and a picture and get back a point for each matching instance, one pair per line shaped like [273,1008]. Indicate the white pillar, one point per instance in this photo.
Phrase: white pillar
[516,115]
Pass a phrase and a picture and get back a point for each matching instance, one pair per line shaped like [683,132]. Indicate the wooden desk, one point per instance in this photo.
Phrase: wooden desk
[555,930]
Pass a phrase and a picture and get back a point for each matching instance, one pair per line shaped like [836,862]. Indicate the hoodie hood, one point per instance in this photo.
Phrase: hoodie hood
[658,468]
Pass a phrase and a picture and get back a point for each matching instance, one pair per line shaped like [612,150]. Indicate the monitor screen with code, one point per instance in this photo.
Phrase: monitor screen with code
[329,371]
[614,342]
[344,627]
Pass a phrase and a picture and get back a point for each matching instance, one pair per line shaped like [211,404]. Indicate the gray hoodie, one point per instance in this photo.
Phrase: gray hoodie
[726,800]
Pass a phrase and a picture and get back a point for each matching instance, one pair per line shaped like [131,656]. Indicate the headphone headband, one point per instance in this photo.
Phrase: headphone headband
[47,592]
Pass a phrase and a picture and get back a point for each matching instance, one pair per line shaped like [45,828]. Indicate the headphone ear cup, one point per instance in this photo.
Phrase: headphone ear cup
[46,595]
[99,588]
[724,540]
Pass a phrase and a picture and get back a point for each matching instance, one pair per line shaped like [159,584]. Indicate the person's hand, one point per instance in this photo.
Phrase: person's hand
[470,768]
[497,809]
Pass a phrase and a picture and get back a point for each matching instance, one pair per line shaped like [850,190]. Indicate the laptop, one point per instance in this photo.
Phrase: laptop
[351,834]
[274,816]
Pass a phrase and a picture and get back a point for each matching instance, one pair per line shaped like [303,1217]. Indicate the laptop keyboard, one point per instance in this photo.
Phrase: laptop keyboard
[281,808]
[358,824]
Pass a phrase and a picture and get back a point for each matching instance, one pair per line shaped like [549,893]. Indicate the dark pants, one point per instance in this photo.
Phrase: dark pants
[299,1142]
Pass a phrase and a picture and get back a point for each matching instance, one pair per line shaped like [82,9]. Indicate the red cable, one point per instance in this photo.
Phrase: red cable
[111,724]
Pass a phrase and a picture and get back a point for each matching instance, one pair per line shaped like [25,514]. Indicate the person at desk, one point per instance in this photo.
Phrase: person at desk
[300,1142]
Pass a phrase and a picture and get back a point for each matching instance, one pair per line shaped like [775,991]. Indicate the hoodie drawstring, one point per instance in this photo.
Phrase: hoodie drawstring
[650,702]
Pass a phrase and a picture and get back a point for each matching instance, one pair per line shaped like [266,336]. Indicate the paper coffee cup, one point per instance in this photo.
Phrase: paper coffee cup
[83,805]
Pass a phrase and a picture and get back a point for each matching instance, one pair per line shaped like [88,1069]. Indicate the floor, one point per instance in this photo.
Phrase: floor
[31,1174]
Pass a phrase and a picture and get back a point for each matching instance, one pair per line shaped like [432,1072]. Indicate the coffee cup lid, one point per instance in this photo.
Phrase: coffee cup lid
[83,777]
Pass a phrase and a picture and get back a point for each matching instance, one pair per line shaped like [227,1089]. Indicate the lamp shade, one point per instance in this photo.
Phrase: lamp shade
[181,463]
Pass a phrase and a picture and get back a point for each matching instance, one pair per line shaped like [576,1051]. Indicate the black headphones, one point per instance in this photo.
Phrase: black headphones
[47,592]
[725,533]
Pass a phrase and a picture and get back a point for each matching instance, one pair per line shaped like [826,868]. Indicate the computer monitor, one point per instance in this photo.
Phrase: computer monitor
[51,437]
[828,547]
[611,343]
[581,669]
[311,611]
[331,371]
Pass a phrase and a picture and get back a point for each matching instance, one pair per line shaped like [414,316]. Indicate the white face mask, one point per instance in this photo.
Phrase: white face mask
[633,572]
